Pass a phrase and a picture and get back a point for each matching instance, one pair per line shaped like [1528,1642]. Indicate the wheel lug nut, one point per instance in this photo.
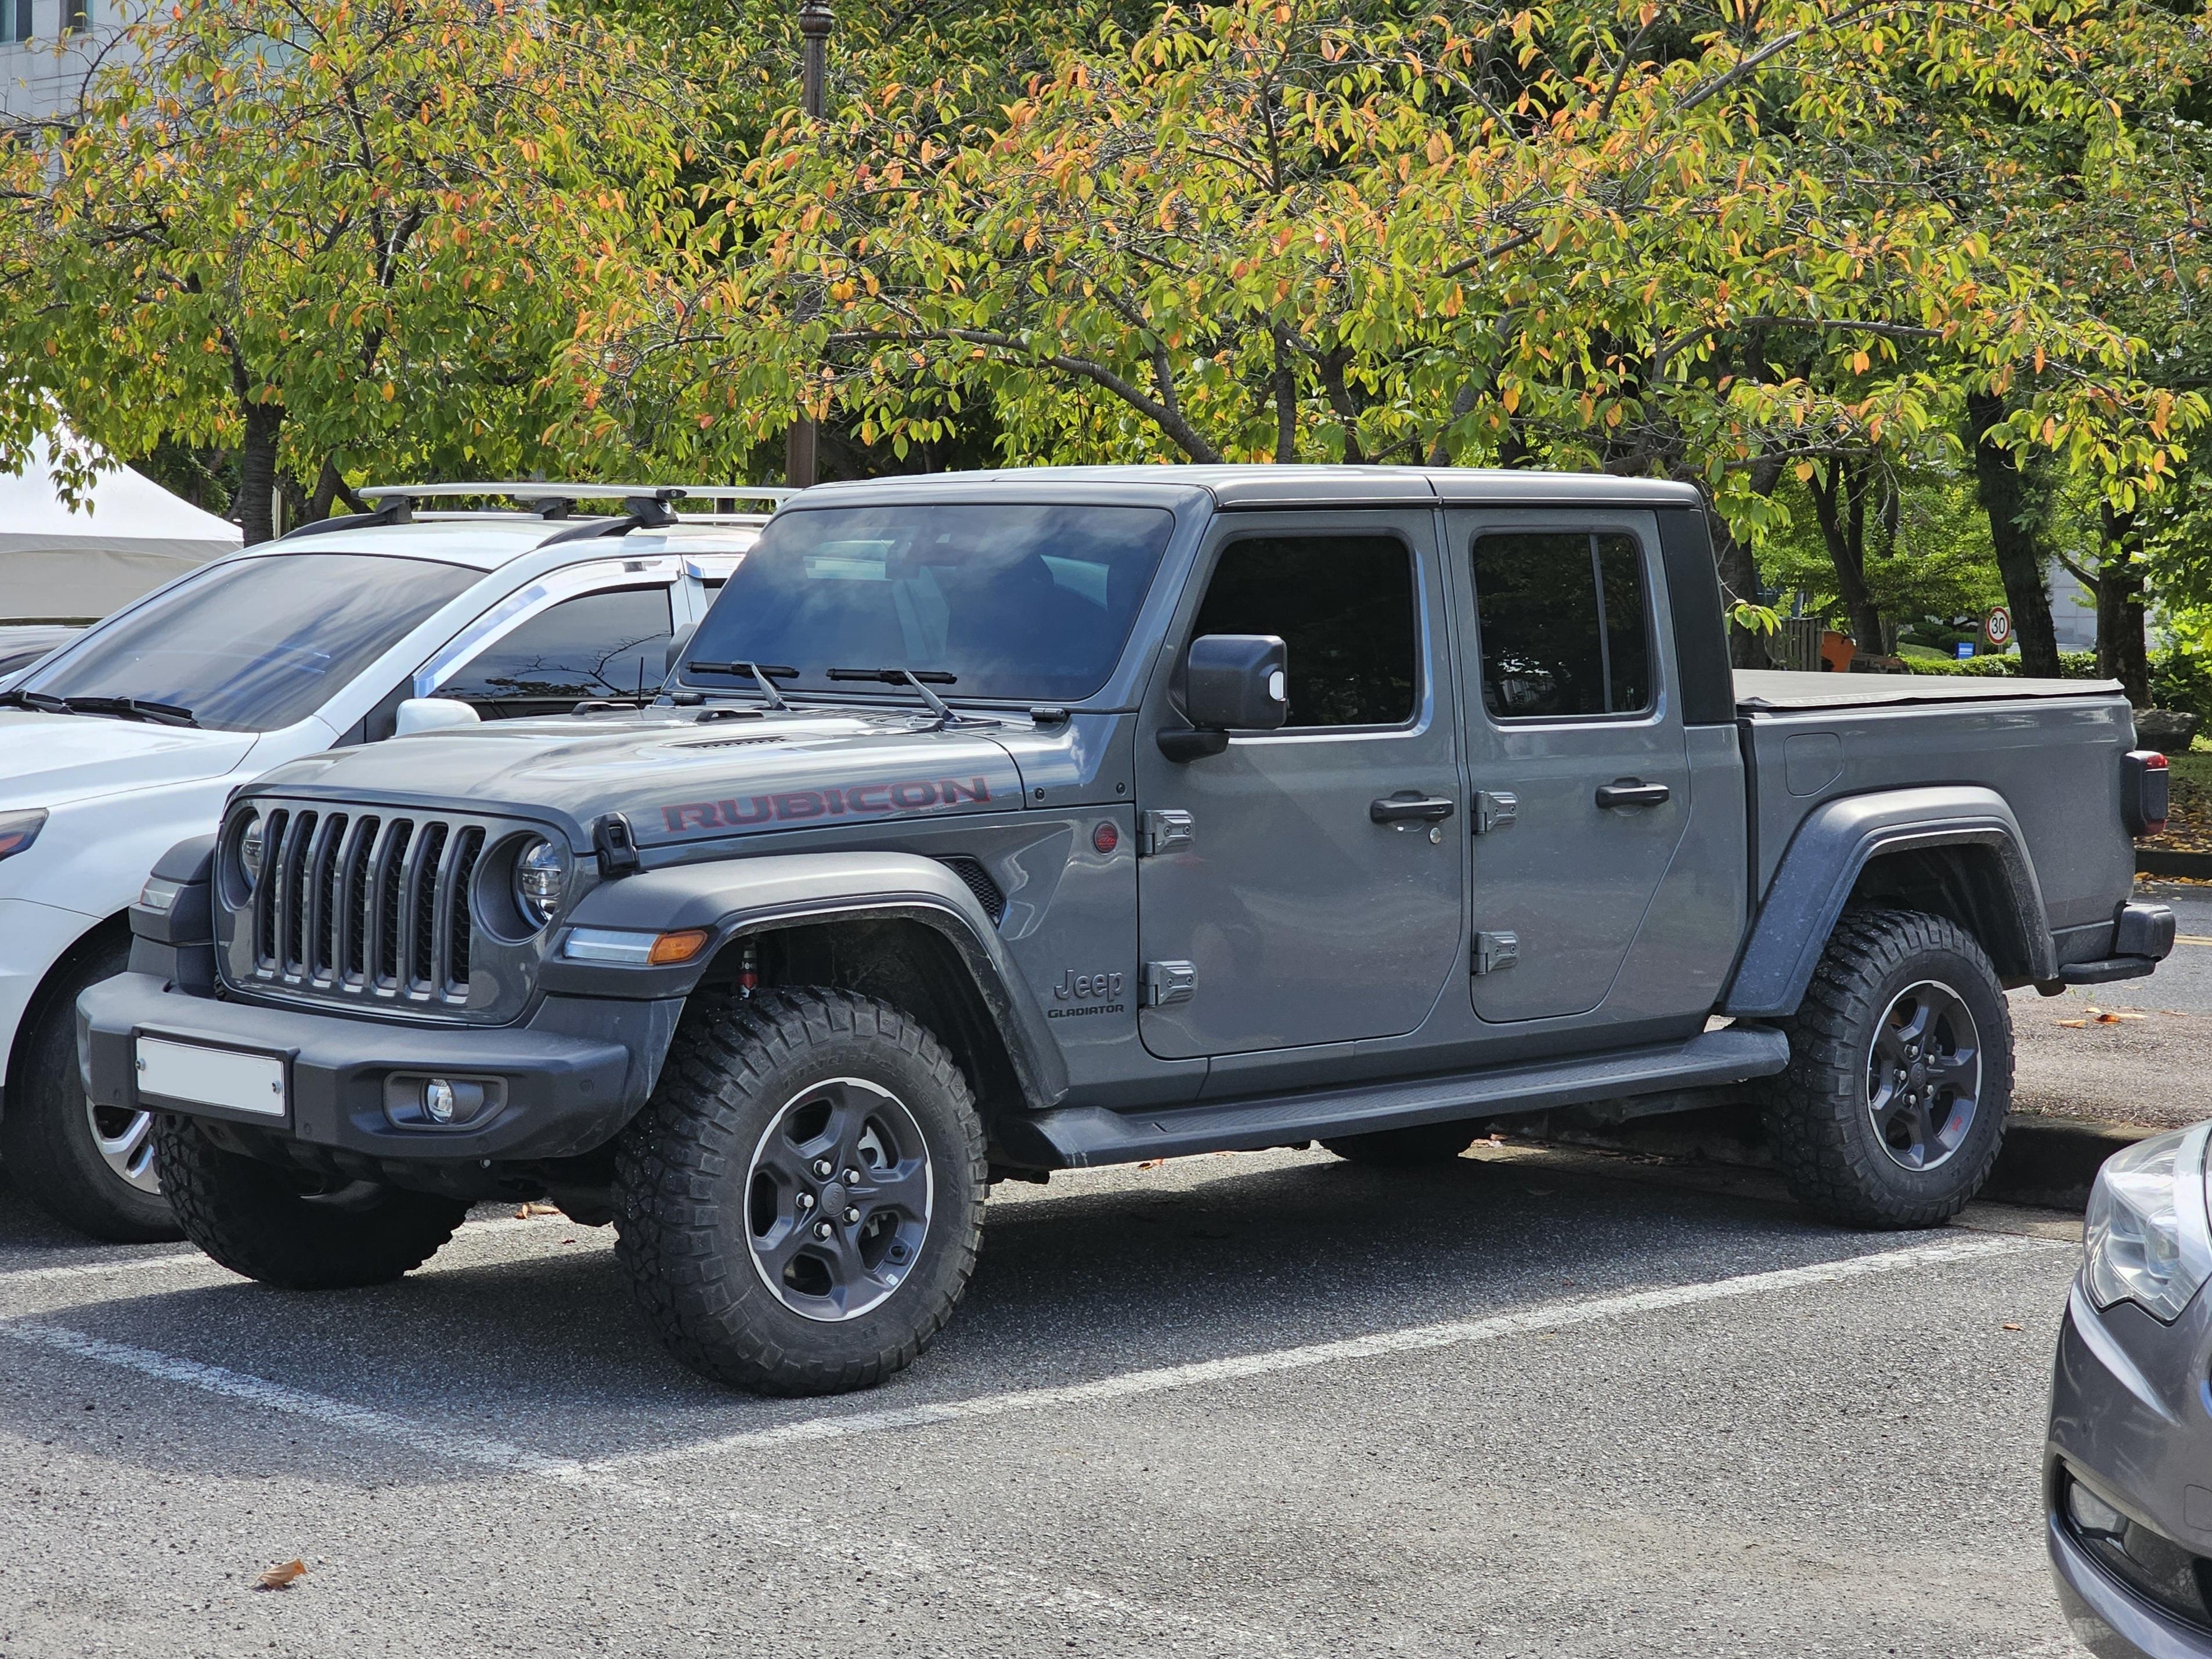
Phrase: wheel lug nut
[852,1177]
[821,1230]
[823,1166]
[807,1200]
[851,1215]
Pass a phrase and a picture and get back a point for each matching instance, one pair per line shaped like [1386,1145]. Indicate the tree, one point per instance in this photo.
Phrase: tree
[322,231]
[1681,243]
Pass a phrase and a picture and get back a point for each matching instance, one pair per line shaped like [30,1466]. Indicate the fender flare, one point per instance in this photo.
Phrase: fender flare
[736,896]
[1834,844]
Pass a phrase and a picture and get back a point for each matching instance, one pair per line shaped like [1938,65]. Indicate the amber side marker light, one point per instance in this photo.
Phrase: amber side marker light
[671,949]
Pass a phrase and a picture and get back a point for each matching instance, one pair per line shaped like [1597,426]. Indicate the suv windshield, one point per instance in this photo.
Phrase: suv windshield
[1029,603]
[251,645]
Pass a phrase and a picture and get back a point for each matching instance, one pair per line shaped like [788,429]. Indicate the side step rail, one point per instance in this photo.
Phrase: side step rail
[1076,1137]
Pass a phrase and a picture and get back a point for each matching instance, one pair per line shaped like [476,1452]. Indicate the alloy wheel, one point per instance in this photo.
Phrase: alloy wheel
[125,1140]
[838,1199]
[1924,1075]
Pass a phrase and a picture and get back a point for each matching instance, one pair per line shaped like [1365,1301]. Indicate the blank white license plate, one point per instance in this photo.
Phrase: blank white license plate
[211,1077]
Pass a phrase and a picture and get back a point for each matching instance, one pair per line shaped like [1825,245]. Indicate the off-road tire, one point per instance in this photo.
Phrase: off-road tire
[47,1137]
[682,1175]
[1817,1116]
[268,1223]
[1424,1145]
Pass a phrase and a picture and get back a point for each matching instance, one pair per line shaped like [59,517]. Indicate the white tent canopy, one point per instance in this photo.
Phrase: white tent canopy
[126,537]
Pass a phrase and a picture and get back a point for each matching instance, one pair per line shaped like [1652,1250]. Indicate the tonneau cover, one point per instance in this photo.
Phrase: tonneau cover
[1776,689]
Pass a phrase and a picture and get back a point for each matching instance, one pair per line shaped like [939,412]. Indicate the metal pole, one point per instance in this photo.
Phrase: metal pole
[798,443]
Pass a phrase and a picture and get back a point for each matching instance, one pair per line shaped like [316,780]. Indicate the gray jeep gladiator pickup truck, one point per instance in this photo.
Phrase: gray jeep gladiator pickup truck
[997,823]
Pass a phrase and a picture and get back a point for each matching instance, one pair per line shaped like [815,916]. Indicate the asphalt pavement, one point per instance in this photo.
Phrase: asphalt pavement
[1271,1403]
[2150,1065]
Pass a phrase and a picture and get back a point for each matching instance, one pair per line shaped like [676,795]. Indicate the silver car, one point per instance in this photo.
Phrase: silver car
[2128,1466]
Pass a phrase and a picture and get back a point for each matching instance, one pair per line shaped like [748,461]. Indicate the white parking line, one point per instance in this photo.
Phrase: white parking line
[170,1260]
[1552,1317]
[885,1557]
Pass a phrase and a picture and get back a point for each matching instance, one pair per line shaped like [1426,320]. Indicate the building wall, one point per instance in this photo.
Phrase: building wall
[2073,610]
[42,76]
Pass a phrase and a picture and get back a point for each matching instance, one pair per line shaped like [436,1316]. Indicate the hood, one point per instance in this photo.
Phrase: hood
[51,759]
[676,777]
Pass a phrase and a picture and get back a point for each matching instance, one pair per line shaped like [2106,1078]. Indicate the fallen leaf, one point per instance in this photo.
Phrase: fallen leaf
[2011,1327]
[281,1578]
[2115,1019]
[1151,1163]
[529,1211]
[2074,1025]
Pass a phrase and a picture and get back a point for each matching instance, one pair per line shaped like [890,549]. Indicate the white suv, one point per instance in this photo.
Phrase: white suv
[129,739]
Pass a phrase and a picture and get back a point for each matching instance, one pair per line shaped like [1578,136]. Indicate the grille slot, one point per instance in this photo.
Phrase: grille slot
[363,907]
[422,906]
[468,847]
[391,860]
[979,882]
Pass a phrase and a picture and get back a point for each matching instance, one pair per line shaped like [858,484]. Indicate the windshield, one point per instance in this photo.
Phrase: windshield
[1027,602]
[251,645]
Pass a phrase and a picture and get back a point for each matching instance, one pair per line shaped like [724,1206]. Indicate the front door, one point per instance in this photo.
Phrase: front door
[1575,750]
[1297,911]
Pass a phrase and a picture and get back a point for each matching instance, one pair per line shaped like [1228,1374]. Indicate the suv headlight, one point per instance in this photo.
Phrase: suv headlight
[19,829]
[2148,1236]
[249,851]
[541,880]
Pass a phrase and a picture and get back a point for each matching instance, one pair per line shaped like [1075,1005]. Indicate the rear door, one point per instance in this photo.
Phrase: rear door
[1575,750]
[1296,912]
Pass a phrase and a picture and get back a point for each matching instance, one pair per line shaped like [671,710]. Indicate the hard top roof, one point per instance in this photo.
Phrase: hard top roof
[1263,484]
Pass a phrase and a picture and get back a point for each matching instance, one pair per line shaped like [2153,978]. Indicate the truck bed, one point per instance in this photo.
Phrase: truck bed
[2051,749]
[1758,689]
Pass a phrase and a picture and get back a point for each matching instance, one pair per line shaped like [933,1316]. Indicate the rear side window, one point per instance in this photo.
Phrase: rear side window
[1344,607]
[596,645]
[1564,627]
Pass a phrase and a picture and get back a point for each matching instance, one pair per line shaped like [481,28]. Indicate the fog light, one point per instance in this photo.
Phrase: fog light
[2095,1517]
[438,1102]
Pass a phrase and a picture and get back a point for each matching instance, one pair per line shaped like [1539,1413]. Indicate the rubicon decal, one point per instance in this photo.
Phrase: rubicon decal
[796,806]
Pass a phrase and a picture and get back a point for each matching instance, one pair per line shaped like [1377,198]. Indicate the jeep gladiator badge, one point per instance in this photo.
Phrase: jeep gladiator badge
[1090,990]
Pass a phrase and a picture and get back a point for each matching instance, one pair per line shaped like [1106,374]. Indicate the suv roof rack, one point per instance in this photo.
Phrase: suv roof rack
[553,500]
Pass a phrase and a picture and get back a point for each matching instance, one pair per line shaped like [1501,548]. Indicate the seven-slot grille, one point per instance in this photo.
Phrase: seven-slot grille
[357,904]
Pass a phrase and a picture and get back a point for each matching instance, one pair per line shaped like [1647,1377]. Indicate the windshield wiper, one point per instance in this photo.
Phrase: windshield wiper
[761,674]
[133,708]
[920,680]
[38,701]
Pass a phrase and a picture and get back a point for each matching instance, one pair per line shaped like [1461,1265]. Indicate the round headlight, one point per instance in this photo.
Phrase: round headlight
[541,878]
[249,851]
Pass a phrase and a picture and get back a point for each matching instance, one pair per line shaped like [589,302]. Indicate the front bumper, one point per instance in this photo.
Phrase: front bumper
[2131,1421]
[569,1079]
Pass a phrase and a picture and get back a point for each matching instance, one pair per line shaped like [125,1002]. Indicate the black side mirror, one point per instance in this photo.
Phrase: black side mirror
[1232,682]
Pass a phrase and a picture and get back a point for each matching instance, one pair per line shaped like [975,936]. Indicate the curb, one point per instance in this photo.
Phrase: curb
[2045,1164]
[2158,861]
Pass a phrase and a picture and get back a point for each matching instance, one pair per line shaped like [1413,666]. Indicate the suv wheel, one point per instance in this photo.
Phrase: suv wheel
[1894,1106]
[1423,1145]
[799,1204]
[292,1229]
[90,1166]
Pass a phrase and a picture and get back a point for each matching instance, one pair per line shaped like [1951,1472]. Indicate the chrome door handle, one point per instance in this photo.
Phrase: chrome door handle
[1396,809]
[1627,791]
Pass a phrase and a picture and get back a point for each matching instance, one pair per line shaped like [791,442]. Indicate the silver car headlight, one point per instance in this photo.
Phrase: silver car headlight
[541,880]
[2149,1235]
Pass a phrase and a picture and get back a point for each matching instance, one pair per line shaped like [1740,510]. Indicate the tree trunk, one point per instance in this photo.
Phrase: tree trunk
[256,472]
[1839,502]
[2004,498]
[2122,653]
[1739,571]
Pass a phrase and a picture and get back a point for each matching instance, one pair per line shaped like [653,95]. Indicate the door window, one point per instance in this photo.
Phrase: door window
[596,645]
[1562,615]
[1343,605]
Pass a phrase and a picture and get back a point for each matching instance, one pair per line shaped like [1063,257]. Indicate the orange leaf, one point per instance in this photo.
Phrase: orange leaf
[281,1576]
